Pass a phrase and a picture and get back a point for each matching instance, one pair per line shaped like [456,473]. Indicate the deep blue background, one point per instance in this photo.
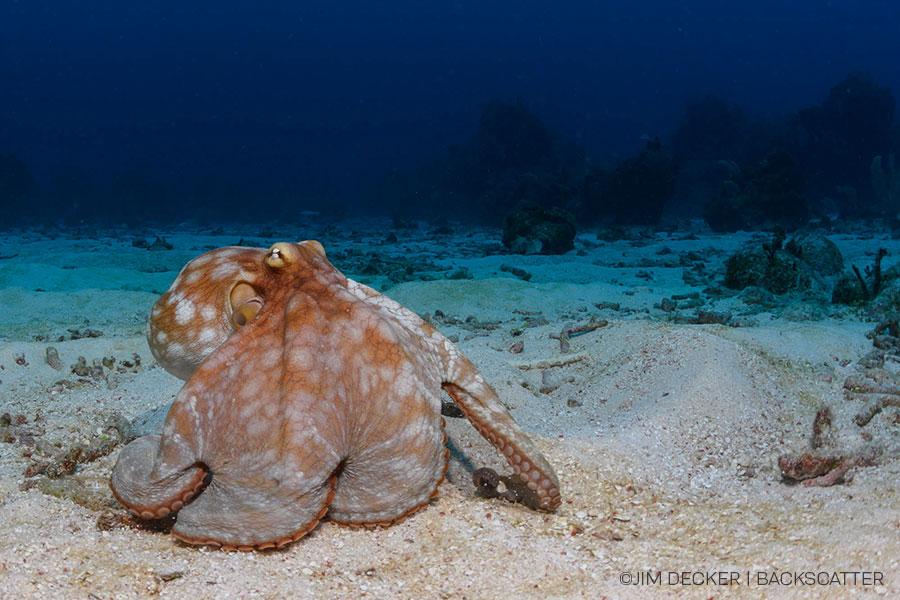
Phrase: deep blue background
[324,96]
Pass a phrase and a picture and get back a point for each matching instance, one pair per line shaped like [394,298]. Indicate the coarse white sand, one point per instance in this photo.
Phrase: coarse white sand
[665,436]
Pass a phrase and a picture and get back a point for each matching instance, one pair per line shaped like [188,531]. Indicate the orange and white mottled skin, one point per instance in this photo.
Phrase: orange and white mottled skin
[307,394]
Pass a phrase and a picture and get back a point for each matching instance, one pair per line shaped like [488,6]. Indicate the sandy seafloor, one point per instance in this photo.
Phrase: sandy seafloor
[665,436]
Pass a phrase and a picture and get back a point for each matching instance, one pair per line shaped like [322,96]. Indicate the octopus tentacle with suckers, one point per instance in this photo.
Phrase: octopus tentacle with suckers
[307,395]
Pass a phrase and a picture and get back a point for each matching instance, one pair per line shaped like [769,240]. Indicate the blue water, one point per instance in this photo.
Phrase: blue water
[236,112]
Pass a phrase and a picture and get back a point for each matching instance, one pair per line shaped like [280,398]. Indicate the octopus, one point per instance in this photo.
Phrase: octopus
[307,396]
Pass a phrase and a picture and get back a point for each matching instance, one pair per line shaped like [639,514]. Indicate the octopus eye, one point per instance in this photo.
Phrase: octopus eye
[245,304]
[282,255]
[244,313]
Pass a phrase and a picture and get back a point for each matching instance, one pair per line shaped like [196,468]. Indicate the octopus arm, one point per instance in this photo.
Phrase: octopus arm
[478,401]
[238,516]
[156,475]
[144,484]
[488,415]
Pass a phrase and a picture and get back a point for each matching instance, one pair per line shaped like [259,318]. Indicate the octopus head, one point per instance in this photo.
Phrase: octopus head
[217,294]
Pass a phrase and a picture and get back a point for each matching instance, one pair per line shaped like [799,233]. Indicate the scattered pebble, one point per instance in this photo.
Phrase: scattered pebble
[53,358]
[520,273]
[160,244]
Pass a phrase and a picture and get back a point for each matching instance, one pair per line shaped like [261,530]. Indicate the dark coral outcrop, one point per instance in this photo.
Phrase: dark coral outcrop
[535,230]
